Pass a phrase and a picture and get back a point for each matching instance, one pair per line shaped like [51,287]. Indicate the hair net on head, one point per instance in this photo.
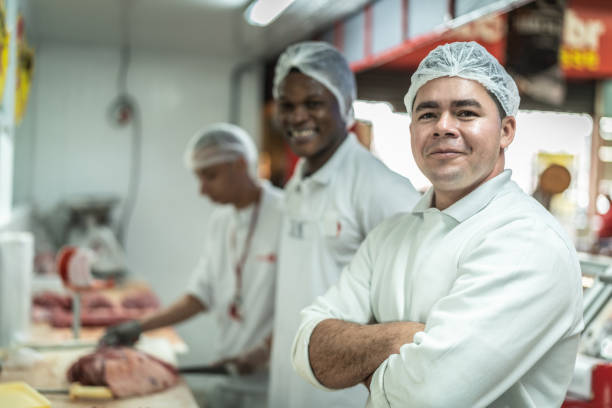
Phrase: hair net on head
[219,143]
[325,64]
[468,60]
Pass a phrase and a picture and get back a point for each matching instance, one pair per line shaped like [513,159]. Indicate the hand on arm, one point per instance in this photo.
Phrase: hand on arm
[343,354]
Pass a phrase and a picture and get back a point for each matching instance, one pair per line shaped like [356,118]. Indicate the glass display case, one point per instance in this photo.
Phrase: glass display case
[593,373]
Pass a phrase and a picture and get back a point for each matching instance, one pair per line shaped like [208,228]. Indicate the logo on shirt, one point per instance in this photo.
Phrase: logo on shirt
[296,229]
[270,258]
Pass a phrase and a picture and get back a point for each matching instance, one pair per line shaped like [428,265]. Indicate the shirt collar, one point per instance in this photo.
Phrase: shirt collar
[471,203]
[326,172]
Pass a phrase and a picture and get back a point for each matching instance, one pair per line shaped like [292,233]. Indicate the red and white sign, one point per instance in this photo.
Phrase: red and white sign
[586,50]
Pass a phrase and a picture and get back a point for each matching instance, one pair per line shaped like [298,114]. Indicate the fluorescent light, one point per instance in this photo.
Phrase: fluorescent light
[263,12]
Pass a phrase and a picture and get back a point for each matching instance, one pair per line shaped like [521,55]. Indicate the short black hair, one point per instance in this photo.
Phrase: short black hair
[500,109]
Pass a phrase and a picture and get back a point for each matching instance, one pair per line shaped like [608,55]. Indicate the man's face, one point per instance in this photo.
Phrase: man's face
[309,115]
[220,181]
[457,135]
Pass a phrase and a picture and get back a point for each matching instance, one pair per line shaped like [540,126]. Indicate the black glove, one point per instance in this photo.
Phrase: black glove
[124,334]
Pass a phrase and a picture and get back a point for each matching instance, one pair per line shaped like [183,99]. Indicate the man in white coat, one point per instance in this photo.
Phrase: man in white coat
[235,277]
[472,299]
[338,193]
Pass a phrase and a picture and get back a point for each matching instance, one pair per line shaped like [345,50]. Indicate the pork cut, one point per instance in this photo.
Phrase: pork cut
[126,371]
[143,299]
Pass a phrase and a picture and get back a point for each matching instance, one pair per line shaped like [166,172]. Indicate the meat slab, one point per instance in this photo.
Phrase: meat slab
[126,371]
[96,308]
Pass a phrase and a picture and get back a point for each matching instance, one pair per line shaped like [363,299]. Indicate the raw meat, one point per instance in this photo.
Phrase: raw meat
[50,299]
[97,309]
[126,371]
[140,300]
[94,317]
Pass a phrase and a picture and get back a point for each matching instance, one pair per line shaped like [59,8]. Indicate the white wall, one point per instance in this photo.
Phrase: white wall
[67,146]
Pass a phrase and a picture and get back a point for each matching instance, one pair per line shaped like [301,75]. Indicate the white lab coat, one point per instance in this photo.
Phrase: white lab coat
[214,280]
[497,284]
[327,217]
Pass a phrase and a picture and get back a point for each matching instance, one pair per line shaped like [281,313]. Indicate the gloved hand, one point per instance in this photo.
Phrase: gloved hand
[124,334]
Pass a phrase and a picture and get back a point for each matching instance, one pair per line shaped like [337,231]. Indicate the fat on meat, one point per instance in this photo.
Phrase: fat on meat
[126,371]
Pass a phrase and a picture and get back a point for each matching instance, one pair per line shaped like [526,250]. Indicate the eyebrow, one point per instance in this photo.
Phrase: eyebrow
[455,104]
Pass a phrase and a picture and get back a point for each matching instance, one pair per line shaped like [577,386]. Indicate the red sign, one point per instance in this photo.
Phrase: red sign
[586,50]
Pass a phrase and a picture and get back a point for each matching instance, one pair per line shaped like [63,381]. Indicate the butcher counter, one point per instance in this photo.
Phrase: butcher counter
[59,350]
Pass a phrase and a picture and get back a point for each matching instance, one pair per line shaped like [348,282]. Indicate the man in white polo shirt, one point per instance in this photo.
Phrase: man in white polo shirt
[338,193]
[474,298]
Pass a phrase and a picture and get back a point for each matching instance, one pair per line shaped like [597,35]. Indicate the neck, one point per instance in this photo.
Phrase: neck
[318,160]
[250,194]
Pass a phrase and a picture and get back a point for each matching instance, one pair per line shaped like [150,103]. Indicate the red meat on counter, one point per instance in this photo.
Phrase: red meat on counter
[100,317]
[140,300]
[126,371]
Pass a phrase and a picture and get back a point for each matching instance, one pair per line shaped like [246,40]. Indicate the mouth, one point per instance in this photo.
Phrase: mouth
[445,153]
[301,135]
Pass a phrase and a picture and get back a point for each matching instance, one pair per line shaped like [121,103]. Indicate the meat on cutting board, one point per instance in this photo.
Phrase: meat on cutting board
[126,371]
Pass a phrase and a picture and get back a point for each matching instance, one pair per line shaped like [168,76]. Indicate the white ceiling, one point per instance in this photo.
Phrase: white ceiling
[213,27]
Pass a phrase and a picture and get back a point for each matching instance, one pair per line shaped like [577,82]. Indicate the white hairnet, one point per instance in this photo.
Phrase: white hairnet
[468,60]
[219,143]
[325,64]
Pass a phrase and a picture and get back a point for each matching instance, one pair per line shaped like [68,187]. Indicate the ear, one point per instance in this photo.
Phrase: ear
[508,129]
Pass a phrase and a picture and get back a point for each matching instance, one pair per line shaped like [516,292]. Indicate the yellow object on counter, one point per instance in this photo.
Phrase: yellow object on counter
[18,394]
[78,391]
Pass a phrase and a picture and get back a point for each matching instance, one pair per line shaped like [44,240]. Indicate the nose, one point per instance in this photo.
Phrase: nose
[298,115]
[446,125]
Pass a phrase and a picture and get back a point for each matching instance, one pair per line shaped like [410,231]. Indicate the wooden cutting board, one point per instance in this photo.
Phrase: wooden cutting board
[51,373]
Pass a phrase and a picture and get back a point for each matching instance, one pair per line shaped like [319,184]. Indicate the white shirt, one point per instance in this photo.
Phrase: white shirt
[497,284]
[327,217]
[214,280]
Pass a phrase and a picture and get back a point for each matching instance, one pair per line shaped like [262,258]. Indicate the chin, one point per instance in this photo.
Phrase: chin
[301,150]
[447,181]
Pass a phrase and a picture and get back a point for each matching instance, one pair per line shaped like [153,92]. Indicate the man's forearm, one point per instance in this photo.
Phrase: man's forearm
[343,354]
[182,309]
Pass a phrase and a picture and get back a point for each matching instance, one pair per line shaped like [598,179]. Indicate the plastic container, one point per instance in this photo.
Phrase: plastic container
[20,395]
[16,266]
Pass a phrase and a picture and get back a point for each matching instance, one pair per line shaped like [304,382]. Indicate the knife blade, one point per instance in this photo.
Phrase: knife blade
[225,369]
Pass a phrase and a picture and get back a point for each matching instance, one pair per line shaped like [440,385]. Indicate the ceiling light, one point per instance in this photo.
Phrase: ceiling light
[263,12]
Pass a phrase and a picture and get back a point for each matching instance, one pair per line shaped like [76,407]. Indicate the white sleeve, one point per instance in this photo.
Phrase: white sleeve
[386,193]
[348,300]
[502,315]
[202,278]
[200,284]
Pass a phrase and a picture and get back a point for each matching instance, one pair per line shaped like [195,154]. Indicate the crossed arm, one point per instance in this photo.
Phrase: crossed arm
[343,354]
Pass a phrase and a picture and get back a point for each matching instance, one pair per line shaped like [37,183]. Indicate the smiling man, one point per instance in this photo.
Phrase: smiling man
[474,298]
[338,193]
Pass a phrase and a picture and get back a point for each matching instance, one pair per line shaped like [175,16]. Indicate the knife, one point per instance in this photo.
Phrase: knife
[78,391]
[225,369]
